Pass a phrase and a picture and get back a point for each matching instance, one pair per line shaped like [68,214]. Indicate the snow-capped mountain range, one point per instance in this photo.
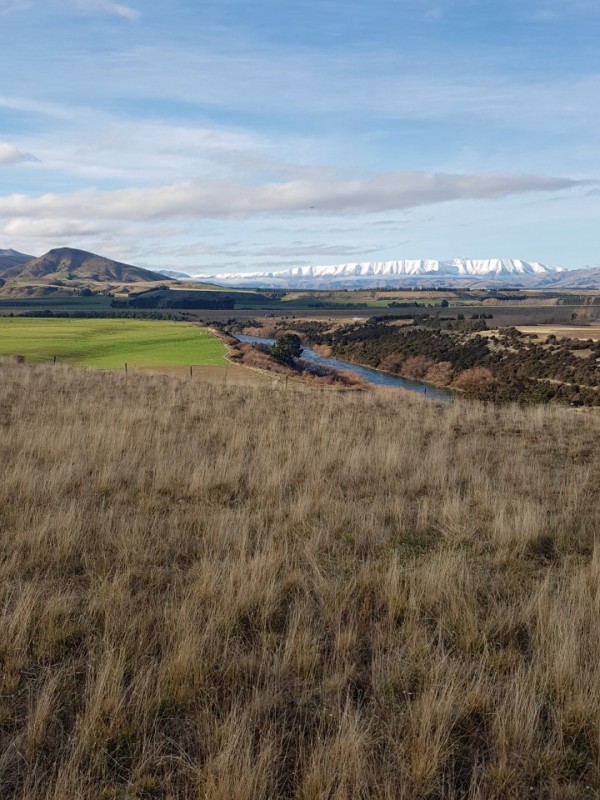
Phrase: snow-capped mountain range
[395,273]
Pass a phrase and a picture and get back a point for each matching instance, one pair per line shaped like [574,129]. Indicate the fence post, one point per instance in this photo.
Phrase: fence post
[125,369]
[54,360]
[190,370]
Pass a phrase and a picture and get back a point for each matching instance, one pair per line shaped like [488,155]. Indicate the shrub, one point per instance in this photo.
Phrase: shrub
[287,348]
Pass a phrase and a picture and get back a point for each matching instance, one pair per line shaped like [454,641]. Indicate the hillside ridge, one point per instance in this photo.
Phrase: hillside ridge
[12,258]
[71,263]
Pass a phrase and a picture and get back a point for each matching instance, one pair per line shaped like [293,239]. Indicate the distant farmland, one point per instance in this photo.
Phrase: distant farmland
[109,343]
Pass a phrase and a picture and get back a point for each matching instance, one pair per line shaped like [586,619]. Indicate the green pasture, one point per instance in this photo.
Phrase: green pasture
[109,343]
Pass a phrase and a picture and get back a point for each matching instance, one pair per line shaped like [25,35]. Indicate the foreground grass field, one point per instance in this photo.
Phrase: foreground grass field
[109,343]
[244,594]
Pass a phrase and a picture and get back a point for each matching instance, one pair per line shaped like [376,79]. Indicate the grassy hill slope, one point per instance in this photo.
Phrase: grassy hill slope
[65,272]
[68,263]
[255,594]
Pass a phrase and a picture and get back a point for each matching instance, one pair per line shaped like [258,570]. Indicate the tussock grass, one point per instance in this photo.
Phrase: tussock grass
[243,593]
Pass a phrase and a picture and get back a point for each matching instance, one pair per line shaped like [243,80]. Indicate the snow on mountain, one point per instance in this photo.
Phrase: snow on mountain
[456,266]
[390,273]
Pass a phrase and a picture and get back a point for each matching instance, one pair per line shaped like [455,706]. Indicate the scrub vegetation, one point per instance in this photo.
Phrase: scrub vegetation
[229,593]
[261,357]
[502,365]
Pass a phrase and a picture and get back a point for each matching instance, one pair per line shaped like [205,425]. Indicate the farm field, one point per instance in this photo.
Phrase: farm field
[109,343]
[569,331]
[58,305]
[193,302]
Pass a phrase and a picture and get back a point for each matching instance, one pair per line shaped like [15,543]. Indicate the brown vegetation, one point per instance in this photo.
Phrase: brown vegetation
[323,350]
[477,382]
[227,375]
[258,357]
[229,593]
[416,367]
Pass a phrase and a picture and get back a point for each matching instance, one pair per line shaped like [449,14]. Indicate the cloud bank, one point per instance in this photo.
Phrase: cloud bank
[194,199]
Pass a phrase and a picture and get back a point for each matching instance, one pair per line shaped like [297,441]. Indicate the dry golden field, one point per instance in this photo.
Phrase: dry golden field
[569,331]
[229,592]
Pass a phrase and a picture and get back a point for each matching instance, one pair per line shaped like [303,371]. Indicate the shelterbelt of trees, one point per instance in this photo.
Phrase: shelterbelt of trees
[503,365]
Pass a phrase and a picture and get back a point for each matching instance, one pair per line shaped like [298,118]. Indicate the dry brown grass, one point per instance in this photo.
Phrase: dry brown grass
[240,593]
[569,331]
[232,375]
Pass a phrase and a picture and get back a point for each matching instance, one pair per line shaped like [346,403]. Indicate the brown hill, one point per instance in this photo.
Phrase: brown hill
[10,259]
[66,263]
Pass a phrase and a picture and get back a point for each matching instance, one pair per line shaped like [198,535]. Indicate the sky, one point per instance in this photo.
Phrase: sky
[214,136]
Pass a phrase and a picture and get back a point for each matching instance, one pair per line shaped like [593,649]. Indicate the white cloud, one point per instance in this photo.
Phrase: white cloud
[289,80]
[107,7]
[50,228]
[9,155]
[28,106]
[298,250]
[155,226]
[95,146]
[126,12]
[200,200]
[93,6]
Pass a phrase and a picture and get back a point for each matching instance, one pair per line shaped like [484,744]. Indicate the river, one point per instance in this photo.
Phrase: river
[371,376]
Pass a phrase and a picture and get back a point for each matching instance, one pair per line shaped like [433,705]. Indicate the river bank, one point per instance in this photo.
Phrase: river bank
[256,359]
[371,377]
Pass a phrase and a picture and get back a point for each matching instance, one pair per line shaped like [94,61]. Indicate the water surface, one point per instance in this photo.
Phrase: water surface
[371,376]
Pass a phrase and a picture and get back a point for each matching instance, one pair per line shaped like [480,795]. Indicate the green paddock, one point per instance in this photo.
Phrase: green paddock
[109,343]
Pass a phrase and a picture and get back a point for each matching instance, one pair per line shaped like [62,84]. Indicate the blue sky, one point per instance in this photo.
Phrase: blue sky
[215,135]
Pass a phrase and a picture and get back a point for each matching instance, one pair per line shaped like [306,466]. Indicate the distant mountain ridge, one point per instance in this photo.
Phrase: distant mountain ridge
[67,263]
[10,258]
[401,272]
[456,266]
[70,264]
[587,278]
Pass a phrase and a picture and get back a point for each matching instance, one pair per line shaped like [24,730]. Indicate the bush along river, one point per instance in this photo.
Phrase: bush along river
[371,376]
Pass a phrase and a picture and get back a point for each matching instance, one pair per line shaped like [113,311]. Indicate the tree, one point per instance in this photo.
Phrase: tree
[287,348]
